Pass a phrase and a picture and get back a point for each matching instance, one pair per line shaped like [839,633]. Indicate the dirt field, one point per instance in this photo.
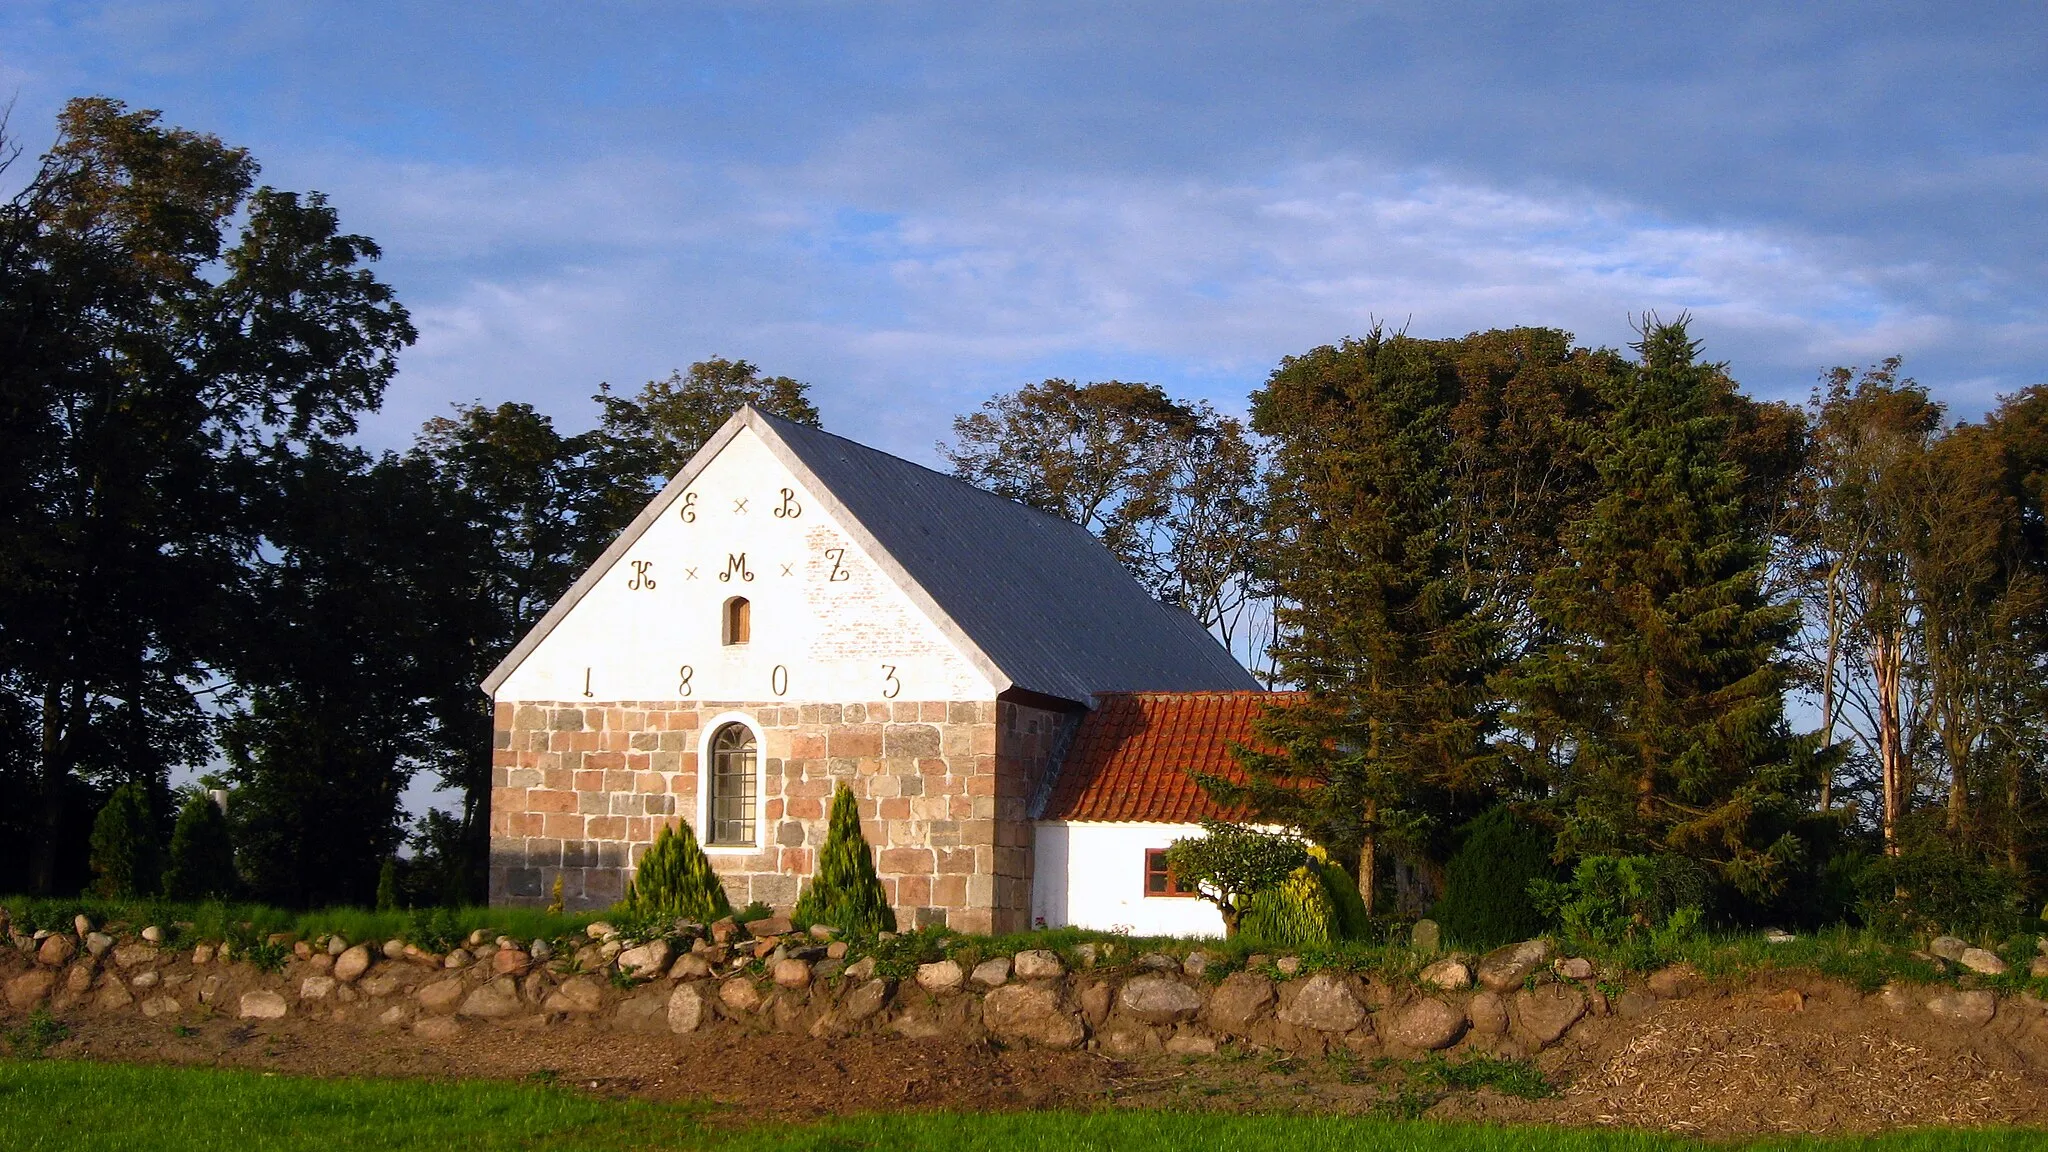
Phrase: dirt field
[1792,1057]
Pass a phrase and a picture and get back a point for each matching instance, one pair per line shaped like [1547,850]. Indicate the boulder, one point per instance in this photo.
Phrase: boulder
[153,934]
[56,951]
[202,954]
[993,973]
[944,976]
[2038,967]
[1031,1014]
[685,1009]
[1449,974]
[1426,936]
[394,949]
[1239,1002]
[1966,1009]
[1574,968]
[1158,962]
[1325,1003]
[112,996]
[1160,1000]
[1505,969]
[646,961]
[1675,982]
[493,1001]
[577,994]
[1488,1013]
[770,926]
[1186,1043]
[1197,963]
[441,997]
[1288,965]
[1948,947]
[457,958]
[865,1000]
[1039,964]
[739,994]
[1546,1012]
[1095,1000]
[26,989]
[1427,1025]
[382,984]
[79,978]
[316,987]
[1128,1038]
[159,1006]
[352,963]
[258,1005]
[861,969]
[81,925]
[690,966]
[792,973]
[97,943]
[1982,961]
[438,1028]
[599,930]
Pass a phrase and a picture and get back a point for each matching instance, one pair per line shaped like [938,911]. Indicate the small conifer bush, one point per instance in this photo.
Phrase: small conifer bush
[845,893]
[675,880]
[124,846]
[202,865]
[1486,899]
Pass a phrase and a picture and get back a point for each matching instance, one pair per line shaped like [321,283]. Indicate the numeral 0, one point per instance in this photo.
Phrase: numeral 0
[778,680]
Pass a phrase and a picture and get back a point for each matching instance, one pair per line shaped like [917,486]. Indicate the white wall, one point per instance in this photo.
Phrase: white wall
[838,627]
[1092,875]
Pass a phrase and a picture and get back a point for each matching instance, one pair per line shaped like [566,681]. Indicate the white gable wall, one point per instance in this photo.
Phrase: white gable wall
[1091,874]
[827,624]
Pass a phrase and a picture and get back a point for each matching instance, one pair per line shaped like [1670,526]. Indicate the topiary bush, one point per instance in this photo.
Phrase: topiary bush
[844,892]
[675,881]
[124,846]
[1298,913]
[202,865]
[1486,881]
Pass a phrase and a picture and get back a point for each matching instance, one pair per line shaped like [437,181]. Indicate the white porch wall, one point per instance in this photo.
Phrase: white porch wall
[1092,875]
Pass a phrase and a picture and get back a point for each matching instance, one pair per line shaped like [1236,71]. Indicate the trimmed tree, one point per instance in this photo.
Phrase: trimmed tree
[124,852]
[202,863]
[1486,881]
[1230,865]
[675,879]
[845,892]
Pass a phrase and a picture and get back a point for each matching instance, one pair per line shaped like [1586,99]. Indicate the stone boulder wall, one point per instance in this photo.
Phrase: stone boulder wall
[1518,1005]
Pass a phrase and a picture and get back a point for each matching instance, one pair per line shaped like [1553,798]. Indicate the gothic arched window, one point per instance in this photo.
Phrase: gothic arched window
[732,785]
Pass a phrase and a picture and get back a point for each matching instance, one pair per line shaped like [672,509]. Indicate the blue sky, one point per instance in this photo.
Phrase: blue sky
[913,206]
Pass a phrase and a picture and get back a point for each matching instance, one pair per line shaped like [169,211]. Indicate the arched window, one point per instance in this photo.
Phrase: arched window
[732,785]
[739,620]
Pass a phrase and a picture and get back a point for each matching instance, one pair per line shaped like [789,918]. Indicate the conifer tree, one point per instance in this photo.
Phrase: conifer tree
[124,852]
[845,892]
[1374,620]
[675,879]
[202,864]
[1668,677]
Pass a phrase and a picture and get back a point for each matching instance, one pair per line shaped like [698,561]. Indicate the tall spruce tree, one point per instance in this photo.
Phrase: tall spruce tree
[1667,680]
[1374,620]
[845,892]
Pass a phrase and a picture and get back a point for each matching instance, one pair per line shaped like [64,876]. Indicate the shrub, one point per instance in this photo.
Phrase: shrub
[1296,913]
[124,846]
[844,892]
[387,885]
[1934,888]
[1231,864]
[202,863]
[1643,908]
[675,880]
[1486,881]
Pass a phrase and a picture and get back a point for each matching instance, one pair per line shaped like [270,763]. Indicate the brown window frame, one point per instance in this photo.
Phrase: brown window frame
[1170,886]
[737,627]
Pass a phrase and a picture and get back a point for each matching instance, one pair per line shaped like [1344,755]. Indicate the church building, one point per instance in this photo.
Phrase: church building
[1016,716]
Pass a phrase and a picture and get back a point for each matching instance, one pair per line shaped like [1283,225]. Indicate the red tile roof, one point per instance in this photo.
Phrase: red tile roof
[1134,757]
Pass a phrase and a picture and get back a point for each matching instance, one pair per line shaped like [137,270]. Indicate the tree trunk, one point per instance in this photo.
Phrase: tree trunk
[1887,665]
[1827,681]
[1368,867]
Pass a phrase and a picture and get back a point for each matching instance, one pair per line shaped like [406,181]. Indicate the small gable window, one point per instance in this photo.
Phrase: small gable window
[732,785]
[739,620]
[1159,879]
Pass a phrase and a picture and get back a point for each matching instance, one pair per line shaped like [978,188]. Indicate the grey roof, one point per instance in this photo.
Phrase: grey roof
[1035,601]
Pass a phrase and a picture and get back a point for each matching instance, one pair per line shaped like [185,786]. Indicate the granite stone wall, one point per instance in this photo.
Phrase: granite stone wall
[580,788]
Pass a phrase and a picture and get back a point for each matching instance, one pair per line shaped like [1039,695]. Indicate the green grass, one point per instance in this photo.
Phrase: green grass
[437,928]
[80,1107]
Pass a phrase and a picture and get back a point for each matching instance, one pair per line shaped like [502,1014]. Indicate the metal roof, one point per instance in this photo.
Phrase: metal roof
[1035,601]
